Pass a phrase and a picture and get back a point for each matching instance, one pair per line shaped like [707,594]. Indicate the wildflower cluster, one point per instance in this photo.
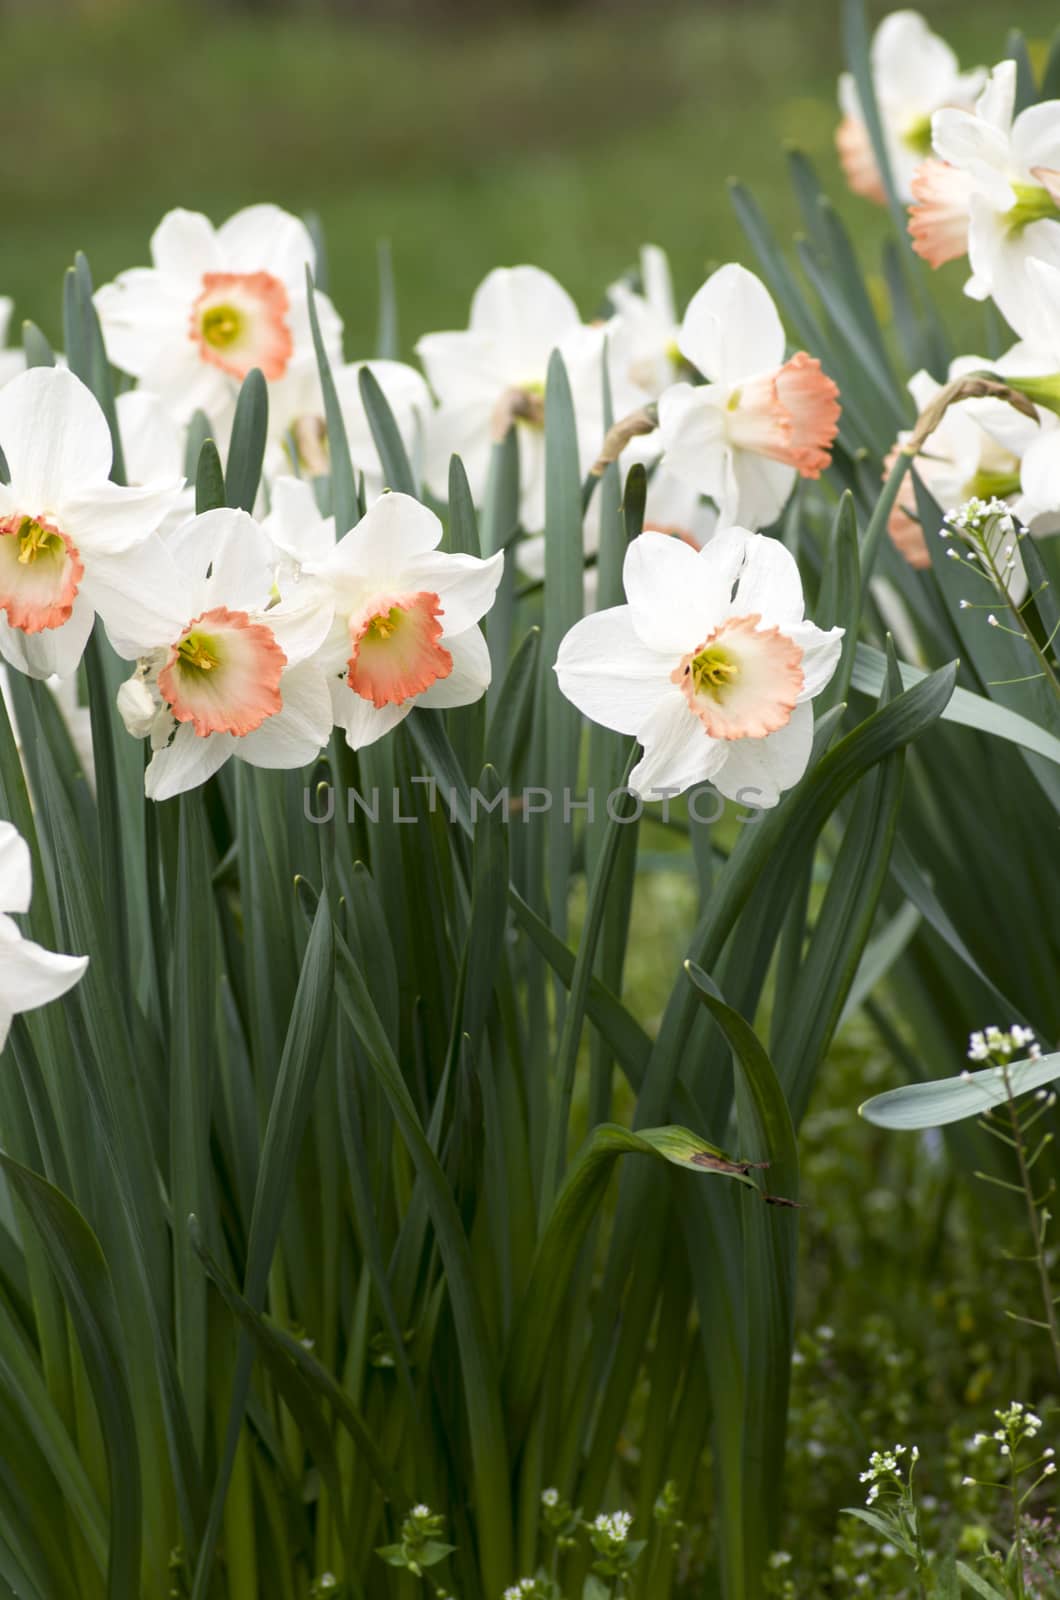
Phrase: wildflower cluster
[884,1473]
[990,1044]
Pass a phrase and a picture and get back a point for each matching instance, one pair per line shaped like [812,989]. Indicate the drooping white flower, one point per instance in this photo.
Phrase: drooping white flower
[236,675]
[1001,172]
[914,73]
[710,664]
[759,421]
[492,375]
[71,542]
[405,630]
[12,362]
[978,450]
[29,975]
[296,420]
[215,303]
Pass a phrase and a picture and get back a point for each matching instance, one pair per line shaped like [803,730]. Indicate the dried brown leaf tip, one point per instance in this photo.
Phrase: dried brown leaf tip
[703,1158]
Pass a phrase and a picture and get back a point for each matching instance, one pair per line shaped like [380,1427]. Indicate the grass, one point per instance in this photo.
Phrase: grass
[564,144]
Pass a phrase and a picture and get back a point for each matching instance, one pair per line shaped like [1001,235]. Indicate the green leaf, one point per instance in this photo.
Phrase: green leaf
[397,473]
[387,339]
[80,1266]
[343,483]
[978,1584]
[39,352]
[557,1253]
[246,452]
[209,479]
[964,708]
[303,1054]
[966,1094]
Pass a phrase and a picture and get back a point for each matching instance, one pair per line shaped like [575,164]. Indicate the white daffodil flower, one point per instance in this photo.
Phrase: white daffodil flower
[298,528]
[236,676]
[215,303]
[759,421]
[405,630]
[296,420]
[492,375]
[29,975]
[12,362]
[711,665]
[994,193]
[979,451]
[914,73]
[71,542]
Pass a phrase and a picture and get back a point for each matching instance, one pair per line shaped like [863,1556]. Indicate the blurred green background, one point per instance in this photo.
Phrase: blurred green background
[469,135]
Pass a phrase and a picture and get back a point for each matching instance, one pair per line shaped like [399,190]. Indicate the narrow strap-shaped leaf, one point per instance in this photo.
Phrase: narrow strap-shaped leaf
[343,482]
[566,1225]
[209,479]
[397,473]
[387,338]
[246,451]
[303,1055]
[83,1275]
[39,352]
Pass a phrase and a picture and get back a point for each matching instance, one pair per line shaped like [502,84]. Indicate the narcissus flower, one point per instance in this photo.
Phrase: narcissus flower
[405,619]
[492,376]
[759,421]
[711,665]
[215,303]
[976,452]
[29,975]
[236,676]
[71,542]
[914,72]
[1005,170]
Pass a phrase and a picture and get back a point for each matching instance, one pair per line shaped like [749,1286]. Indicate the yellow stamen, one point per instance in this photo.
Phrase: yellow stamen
[713,670]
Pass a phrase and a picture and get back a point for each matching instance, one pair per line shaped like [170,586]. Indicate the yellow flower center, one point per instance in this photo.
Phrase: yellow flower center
[713,670]
[222,326]
[383,626]
[34,540]
[199,652]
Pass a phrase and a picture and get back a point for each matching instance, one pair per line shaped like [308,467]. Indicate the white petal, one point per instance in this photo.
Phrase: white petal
[110,520]
[359,719]
[184,246]
[470,677]
[54,436]
[465,585]
[186,763]
[757,771]
[303,619]
[31,976]
[16,874]
[731,329]
[296,735]
[762,488]
[141,597]
[820,654]
[1036,138]
[152,439]
[54,653]
[692,431]
[392,531]
[678,751]
[769,582]
[610,674]
[263,238]
[677,595]
[144,316]
[527,313]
